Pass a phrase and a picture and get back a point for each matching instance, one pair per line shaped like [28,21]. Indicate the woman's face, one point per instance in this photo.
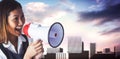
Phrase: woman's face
[16,21]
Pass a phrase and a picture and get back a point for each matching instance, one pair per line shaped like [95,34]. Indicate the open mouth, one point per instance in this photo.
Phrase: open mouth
[18,29]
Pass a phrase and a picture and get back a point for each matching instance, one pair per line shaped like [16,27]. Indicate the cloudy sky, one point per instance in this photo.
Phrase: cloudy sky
[95,21]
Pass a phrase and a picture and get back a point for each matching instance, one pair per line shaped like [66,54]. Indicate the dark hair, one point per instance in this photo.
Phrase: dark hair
[6,6]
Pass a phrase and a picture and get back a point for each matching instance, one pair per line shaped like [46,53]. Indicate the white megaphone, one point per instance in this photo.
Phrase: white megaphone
[53,34]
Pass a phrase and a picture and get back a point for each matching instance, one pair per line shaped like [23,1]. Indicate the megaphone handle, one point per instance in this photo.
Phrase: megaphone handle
[38,56]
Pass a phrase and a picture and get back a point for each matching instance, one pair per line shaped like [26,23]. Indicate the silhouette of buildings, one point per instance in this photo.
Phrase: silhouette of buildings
[106,54]
[76,51]
[107,50]
[56,56]
[103,56]
[83,55]
[50,56]
[99,52]
[55,53]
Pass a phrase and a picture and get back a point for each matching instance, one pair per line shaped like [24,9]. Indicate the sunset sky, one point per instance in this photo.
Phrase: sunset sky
[95,21]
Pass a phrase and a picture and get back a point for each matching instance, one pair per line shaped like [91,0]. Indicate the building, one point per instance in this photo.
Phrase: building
[117,51]
[74,45]
[50,56]
[99,52]
[55,53]
[82,46]
[61,56]
[103,56]
[54,50]
[83,55]
[92,49]
[107,50]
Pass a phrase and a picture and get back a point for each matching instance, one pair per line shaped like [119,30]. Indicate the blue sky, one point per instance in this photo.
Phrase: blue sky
[50,2]
[92,20]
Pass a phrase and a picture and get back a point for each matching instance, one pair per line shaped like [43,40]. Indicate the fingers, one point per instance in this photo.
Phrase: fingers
[39,51]
[38,46]
[34,48]
[36,42]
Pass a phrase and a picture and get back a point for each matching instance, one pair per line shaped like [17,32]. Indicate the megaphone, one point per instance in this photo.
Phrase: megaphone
[52,34]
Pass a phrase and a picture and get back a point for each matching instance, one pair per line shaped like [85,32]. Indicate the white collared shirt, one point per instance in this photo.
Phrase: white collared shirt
[12,48]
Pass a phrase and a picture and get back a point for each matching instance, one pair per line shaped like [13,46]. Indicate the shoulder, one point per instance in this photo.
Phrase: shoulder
[2,55]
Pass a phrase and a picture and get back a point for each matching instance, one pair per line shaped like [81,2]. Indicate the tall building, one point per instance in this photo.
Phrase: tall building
[82,46]
[117,50]
[92,49]
[74,45]
[54,50]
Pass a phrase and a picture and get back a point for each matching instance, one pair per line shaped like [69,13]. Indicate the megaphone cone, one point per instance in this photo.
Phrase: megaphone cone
[53,35]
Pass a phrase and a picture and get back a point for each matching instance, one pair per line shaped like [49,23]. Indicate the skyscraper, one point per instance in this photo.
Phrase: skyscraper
[82,46]
[92,49]
[117,50]
[74,45]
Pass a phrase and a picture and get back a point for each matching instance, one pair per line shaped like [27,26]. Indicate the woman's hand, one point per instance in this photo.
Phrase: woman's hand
[34,49]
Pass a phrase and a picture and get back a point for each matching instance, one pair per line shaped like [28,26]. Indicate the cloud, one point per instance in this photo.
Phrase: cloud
[68,5]
[115,30]
[39,11]
[109,11]
[109,14]
[107,3]
[36,7]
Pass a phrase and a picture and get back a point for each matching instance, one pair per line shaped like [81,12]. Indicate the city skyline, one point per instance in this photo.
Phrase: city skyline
[95,21]
[57,53]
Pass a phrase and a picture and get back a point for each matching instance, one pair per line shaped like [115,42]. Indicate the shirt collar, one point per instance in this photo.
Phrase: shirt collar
[20,40]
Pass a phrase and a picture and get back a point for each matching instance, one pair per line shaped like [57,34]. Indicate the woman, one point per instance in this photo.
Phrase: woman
[14,45]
